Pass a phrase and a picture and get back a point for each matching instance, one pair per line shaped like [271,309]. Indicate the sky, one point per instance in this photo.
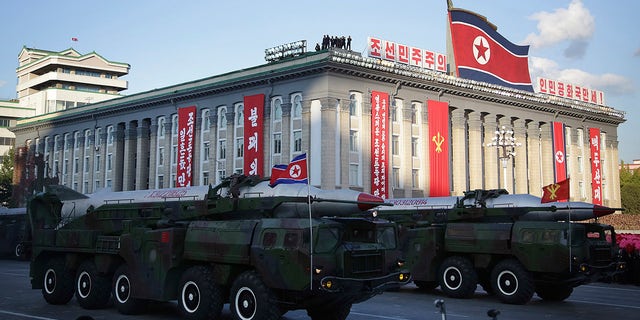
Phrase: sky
[591,43]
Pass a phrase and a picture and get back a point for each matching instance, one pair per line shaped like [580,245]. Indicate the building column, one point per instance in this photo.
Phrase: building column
[130,156]
[458,152]
[330,137]
[490,154]
[614,175]
[475,163]
[118,157]
[153,151]
[520,159]
[534,159]
[142,160]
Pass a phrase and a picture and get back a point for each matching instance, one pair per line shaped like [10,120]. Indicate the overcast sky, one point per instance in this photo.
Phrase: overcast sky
[592,43]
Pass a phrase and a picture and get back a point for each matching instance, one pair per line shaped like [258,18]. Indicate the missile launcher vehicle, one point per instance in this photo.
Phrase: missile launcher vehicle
[12,231]
[512,245]
[263,250]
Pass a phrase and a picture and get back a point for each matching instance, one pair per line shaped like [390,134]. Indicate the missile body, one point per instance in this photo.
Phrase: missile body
[323,202]
[495,204]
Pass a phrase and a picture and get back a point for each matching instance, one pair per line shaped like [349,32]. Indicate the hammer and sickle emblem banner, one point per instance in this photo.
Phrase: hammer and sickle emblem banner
[556,192]
[438,140]
[438,115]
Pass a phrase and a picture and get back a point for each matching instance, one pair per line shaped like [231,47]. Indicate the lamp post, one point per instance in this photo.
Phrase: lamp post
[506,144]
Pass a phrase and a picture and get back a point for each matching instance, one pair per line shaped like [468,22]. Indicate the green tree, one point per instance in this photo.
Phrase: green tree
[630,189]
[6,179]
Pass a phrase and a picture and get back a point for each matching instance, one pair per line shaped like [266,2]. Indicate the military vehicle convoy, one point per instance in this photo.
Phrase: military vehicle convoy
[263,250]
[512,245]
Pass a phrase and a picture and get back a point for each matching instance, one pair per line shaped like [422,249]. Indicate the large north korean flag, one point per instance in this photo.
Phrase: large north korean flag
[482,54]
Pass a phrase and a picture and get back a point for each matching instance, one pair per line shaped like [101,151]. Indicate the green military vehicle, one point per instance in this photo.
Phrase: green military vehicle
[512,245]
[12,231]
[263,250]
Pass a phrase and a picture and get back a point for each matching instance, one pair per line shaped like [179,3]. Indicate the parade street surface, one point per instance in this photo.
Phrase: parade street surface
[594,301]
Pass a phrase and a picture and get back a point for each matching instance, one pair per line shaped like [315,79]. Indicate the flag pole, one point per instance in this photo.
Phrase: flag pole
[310,223]
[569,218]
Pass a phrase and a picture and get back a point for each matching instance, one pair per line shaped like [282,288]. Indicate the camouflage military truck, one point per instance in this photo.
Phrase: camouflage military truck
[12,231]
[512,245]
[263,250]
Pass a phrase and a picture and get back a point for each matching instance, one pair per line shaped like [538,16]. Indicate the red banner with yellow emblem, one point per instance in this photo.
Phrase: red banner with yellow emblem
[438,113]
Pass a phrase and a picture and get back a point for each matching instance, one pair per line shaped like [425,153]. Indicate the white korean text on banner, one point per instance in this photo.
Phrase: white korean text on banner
[186,127]
[379,144]
[253,134]
[596,170]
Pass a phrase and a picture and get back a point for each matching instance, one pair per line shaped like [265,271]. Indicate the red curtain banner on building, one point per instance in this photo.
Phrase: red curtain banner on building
[438,113]
[186,133]
[379,144]
[596,178]
[253,134]
[559,160]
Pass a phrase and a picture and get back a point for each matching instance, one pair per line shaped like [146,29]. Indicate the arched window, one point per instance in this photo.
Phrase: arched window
[297,106]
[353,105]
[276,109]
[222,118]
[161,125]
[174,124]
[239,115]
[206,122]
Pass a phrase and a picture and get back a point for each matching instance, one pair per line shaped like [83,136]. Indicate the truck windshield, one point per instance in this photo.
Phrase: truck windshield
[327,239]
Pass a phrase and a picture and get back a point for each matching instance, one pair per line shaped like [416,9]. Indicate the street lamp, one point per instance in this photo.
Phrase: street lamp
[506,144]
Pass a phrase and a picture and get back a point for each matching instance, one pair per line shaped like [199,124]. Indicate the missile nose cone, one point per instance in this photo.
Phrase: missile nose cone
[368,201]
[599,211]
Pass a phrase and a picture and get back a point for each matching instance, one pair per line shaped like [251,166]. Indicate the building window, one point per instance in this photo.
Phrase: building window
[108,184]
[206,121]
[297,106]
[222,118]
[354,174]
[297,141]
[395,177]
[415,112]
[96,163]
[277,143]
[98,139]
[86,165]
[174,125]
[222,149]
[580,165]
[395,145]
[161,124]
[87,138]
[239,147]
[174,154]
[110,135]
[160,181]
[161,156]
[277,109]
[205,178]
[414,147]
[353,105]
[239,115]
[415,178]
[76,165]
[205,151]
[353,141]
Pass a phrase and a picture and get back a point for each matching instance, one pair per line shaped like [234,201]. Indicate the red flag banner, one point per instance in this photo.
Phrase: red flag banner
[186,125]
[556,192]
[438,113]
[596,178]
[559,153]
[295,172]
[379,169]
[482,54]
[253,134]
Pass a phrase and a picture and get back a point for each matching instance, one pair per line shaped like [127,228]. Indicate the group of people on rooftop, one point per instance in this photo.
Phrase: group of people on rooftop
[341,42]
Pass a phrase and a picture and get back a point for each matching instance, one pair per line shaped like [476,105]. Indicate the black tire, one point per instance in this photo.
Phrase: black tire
[252,300]
[457,277]
[554,292]
[511,282]
[426,285]
[199,296]
[337,312]
[93,291]
[124,302]
[19,250]
[58,282]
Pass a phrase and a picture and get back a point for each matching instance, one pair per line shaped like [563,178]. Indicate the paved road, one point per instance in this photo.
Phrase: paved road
[597,301]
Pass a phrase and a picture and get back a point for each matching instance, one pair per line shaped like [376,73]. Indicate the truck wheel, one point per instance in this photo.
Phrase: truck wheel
[125,303]
[511,282]
[554,292]
[337,312]
[58,282]
[92,290]
[200,297]
[251,299]
[458,278]
[19,250]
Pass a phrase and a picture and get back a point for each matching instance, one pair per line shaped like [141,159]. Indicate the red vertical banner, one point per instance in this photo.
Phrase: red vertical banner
[186,133]
[438,113]
[379,143]
[253,134]
[596,178]
[559,153]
